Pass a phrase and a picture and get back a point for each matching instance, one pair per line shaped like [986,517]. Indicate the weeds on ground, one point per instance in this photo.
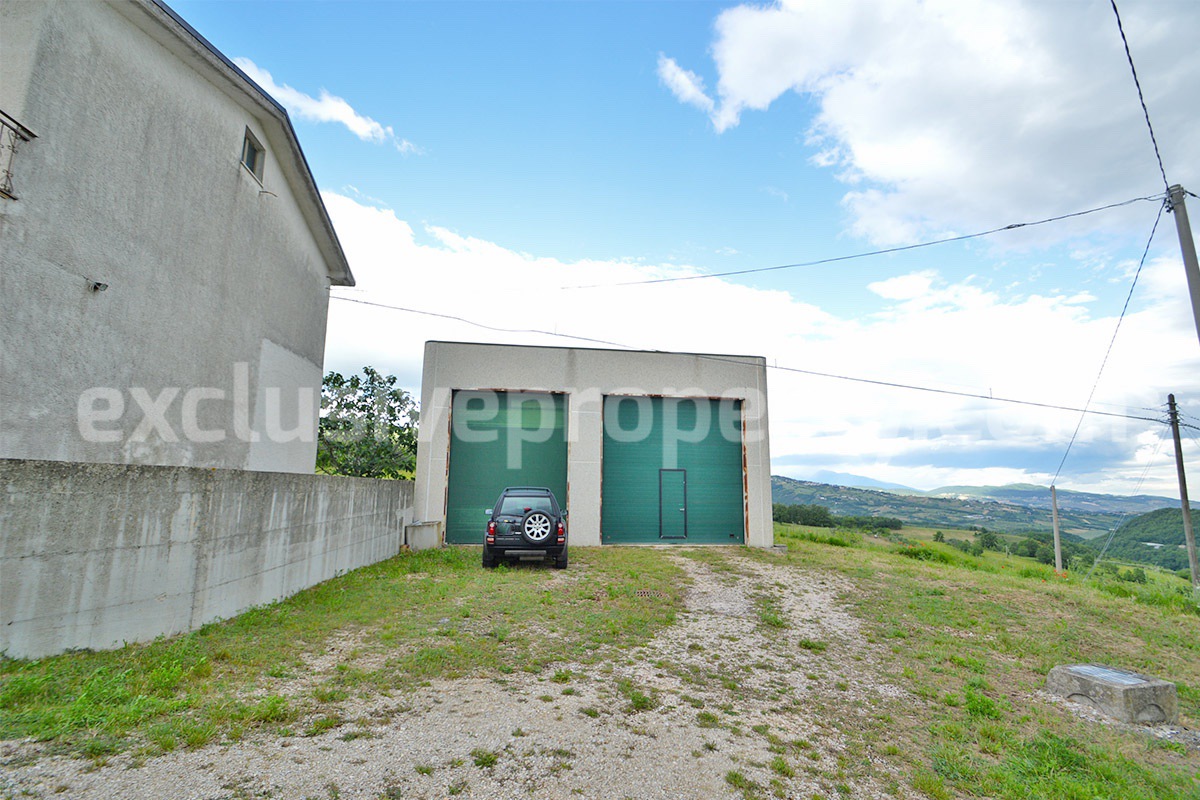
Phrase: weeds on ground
[971,638]
[420,616]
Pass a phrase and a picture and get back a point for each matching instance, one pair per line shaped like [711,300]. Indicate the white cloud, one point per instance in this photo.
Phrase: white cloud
[325,108]
[687,86]
[407,148]
[946,116]
[951,335]
[904,287]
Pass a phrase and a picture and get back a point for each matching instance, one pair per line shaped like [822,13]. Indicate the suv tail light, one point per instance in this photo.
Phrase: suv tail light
[562,533]
[491,533]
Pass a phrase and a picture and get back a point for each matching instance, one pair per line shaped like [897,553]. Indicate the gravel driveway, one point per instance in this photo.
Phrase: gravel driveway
[729,701]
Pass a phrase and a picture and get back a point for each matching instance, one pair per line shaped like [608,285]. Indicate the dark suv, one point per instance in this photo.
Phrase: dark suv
[526,524]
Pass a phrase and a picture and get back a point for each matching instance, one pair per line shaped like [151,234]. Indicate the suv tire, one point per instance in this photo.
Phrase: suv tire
[489,559]
[536,527]
[561,561]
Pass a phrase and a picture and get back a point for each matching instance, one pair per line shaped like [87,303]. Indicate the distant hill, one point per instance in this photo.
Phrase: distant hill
[934,512]
[1032,496]
[1162,527]
[860,482]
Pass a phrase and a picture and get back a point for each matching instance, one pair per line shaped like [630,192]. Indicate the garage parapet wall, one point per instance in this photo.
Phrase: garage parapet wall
[586,377]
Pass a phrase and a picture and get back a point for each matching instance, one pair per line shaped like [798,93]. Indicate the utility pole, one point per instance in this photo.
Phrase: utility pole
[1057,541]
[1188,247]
[1189,535]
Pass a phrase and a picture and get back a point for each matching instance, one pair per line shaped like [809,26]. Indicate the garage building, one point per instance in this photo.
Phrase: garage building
[640,447]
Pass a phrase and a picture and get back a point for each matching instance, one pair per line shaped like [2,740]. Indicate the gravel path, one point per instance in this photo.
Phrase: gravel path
[720,692]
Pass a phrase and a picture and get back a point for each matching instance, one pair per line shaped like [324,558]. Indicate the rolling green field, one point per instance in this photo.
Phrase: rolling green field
[939,511]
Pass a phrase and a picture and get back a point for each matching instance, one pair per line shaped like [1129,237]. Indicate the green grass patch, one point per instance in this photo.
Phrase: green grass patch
[219,677]
[769,614]
[798,533]
[485,758]
[748,788]
[971,639]
[780,766]
[638,700]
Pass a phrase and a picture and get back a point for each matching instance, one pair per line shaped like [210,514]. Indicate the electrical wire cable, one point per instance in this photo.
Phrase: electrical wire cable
[1141,97]
[950,392]
[1112,533]
[1111,342]
[478,324]
[1195,439]
[798,370]
[1184,415]
[870,253]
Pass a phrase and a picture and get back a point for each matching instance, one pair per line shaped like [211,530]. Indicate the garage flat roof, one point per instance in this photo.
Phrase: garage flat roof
[599,349]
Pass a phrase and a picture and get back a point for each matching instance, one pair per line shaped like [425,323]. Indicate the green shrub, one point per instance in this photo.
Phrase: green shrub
[921,553]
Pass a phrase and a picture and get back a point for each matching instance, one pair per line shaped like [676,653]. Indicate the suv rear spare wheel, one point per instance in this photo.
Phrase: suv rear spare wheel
[536,527]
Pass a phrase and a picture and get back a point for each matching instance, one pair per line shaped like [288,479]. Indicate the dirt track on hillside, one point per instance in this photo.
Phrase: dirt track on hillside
[722,695]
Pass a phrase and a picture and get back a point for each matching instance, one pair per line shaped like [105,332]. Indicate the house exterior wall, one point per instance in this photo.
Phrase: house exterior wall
[217,286]
[586,376]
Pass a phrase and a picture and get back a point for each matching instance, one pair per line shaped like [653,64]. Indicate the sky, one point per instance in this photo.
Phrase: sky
[529,166]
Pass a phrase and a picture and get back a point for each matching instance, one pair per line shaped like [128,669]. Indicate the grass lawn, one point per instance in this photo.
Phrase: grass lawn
[966,640]
[433,614]
[972,639]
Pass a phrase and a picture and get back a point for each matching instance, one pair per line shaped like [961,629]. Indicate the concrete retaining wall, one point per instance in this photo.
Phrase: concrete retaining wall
[95,555]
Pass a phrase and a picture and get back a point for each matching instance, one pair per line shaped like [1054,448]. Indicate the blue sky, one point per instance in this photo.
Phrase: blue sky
[482,156]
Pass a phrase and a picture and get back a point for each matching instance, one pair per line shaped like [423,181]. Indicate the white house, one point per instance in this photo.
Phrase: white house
[165,258]
[640,447]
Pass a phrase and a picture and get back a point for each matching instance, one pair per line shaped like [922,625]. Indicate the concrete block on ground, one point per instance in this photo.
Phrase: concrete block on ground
[424,535]
[1120,694]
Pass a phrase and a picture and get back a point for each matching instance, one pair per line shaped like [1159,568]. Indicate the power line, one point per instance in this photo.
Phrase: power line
[478,324]
[869,253]
[950,392]
[1141,97]
[1111,342]
[797,370]
[1112,533]
[1190,435]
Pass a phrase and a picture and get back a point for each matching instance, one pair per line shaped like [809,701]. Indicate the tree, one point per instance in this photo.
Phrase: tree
[1029,548]
[816,516]
[368,427]
[988,540]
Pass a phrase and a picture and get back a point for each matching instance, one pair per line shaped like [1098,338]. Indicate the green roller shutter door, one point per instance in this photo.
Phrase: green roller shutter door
[672,471]
[500,439]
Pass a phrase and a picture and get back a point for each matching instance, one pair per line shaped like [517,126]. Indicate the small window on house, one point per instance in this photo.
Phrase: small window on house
[253,155]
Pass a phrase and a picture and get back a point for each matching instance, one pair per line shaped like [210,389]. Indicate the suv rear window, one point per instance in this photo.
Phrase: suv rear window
[515,505]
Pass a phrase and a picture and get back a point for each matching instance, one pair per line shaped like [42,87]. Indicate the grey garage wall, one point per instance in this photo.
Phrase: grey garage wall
[586,376]
[94,555]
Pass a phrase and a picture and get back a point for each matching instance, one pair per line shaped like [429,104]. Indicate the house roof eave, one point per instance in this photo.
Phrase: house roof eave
[202,55]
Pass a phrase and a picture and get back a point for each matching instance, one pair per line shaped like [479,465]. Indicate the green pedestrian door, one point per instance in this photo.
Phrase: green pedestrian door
[500,439]
[672,471]
[672,503]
